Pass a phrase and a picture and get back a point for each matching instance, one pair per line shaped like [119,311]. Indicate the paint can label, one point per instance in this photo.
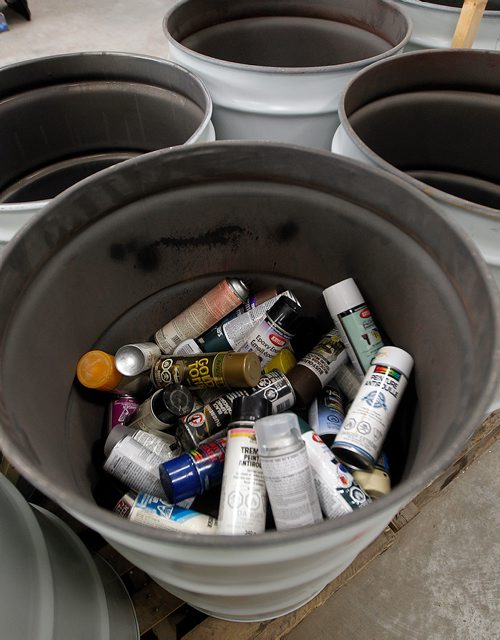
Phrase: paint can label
[326,414]
[167,371]
[120,410]
[243,499]
[276,388]
[368,419]
[155,512]
[135,466]
[363,335]
[326,357]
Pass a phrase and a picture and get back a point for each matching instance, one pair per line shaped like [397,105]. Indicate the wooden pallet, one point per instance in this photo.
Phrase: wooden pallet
[163,616]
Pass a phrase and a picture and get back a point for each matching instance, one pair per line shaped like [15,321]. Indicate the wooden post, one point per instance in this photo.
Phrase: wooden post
[468,23]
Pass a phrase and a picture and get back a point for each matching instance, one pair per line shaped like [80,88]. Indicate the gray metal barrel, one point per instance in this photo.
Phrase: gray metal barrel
[63,118]
[116,256]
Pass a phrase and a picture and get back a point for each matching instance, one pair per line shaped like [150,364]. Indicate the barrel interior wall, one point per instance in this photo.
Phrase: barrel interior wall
[155,253]
[290,34]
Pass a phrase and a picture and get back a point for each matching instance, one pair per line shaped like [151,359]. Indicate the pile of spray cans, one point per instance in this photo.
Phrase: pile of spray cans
[205,406]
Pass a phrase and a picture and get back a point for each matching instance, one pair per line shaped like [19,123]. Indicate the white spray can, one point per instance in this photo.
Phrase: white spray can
[160,514]
[338,492]
[242,508]
[359,441]
[288,475]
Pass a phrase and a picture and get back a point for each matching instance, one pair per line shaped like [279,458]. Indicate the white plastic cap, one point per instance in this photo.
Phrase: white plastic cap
[396,358]
[278,434]
[342,296]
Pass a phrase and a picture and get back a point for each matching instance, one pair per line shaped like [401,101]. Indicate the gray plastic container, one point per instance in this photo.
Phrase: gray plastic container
[143,240]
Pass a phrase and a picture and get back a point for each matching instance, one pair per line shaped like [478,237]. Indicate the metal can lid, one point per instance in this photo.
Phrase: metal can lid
[130,360]
[96,370]
[285,313]
[250,409]
[178,399]
[239,287]
[241,370]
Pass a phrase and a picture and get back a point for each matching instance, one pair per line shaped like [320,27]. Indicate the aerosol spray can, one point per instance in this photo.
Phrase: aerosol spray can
[160,514]
[232,334]
[163,409]
[193,473]
[215,416]
[354,320]
[377,481]
[280,323]
[326,413]
[348,380]
[120,410]
[162,444]
[317,367]
[288,475]
[283,361]
[135,466]
[97,370]
[242,508]
[224,370]
[338,492]
[359,441]
[202,314]
[132,359]
[125,504]
[187,348]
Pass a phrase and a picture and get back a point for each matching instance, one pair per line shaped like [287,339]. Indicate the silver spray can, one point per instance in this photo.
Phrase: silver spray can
[132,359]
[135,466]
[162,444]
[202,314]
[242,508]
[288,475]
[359,441]
[338,492]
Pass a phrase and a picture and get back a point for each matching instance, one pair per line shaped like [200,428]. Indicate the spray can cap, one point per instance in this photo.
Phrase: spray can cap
[342,296]
[396,358]
[250,409]
[278,434]
[284,361]
[285,312]
[177,399]
[180,479]
[96,370]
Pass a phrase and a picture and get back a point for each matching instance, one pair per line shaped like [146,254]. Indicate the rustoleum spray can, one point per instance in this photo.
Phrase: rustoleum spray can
[153,511]
[215,416]
[120,410]
[338,492]
[132,359]
[359,441]
[162,444]
[224,370]
[280,323]
[288,475]
[135,466]
[317,367]
[163,409]
[326,413]
[202,314]
[232,334]
[242,507]
[354,320]
[193,473]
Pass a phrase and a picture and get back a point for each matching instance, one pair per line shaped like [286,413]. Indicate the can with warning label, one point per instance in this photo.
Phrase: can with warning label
[223,370]
[214,416]
[338,492]
[202,314]
[120,410]
[359,441]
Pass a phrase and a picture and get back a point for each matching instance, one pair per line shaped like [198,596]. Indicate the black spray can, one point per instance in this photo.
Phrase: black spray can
[163,409]
[215,416]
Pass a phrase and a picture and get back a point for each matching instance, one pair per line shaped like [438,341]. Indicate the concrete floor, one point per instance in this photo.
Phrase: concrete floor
[440,580]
